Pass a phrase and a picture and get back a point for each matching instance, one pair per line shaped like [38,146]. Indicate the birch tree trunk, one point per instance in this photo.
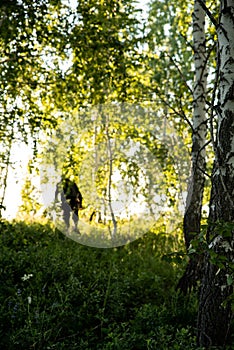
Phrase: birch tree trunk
[192,217]
[110,175]
[214,317]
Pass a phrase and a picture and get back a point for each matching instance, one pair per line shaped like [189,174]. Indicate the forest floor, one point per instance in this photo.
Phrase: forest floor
[58,294]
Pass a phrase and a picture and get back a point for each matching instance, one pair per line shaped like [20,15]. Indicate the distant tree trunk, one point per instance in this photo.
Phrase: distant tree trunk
[109,196]
[5,164]
[192,217]
[214,317]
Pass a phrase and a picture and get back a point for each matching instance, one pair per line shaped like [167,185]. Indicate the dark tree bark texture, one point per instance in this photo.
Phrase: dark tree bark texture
[215,314]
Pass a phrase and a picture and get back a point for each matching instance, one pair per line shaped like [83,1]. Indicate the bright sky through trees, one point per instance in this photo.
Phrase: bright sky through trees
[21,153]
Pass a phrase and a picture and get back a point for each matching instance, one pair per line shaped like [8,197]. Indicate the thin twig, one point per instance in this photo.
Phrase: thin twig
[180,114]
[180,72]
[209,14]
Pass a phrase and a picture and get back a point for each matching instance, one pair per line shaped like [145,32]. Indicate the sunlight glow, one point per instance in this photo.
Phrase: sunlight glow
[21,153]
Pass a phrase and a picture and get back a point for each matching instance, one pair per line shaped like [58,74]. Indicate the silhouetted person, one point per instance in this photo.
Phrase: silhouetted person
[71,199]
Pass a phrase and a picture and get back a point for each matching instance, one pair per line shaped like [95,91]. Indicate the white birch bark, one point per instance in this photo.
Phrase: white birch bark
[214,317]
[195,191]
[193,212]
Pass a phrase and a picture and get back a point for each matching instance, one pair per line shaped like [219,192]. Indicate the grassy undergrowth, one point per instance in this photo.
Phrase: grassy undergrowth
[58,294]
